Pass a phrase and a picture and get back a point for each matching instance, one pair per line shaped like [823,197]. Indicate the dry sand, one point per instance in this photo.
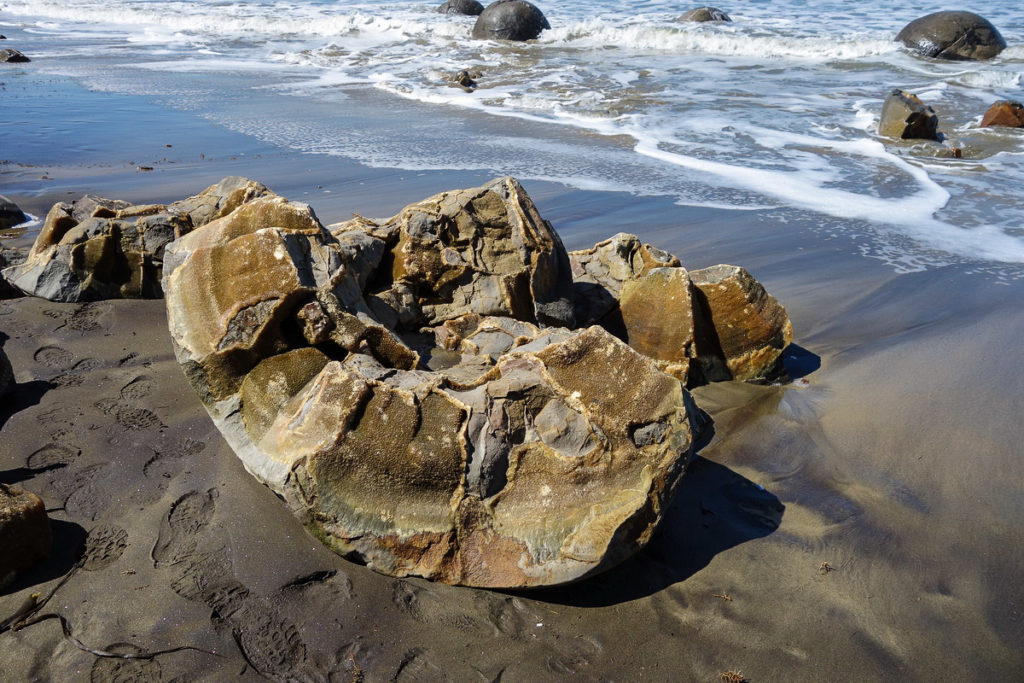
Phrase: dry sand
[894,460]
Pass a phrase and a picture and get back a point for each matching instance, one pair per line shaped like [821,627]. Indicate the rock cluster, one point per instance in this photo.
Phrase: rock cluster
[25,534]
[905,116]
[96,248]
[954,35]
[439,394]
[510,20]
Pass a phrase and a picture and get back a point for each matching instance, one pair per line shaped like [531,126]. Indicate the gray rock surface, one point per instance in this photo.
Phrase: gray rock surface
[10,213]
[702,14]
[470,8]
[954,35]
[13,56]
[510,20]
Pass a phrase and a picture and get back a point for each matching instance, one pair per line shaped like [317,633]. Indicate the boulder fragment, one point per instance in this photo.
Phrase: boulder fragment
[1004,113]
[953,35]
[10,214]
[741,330]
[905,116]
[510,20]
[98,248]
[13,56]
[25,534]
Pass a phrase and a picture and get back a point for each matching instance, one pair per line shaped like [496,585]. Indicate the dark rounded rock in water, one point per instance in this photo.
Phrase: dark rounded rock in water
[10,214]
[953,35]
[470,8]
[11,55]
[1004,113]
[510,20]
[905,116]
[705,14]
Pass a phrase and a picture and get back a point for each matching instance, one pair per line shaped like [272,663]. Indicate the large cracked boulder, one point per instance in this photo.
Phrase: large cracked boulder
[25,534]
[953,35]
[98,248]
[905,116]
[420,394]
[510,20]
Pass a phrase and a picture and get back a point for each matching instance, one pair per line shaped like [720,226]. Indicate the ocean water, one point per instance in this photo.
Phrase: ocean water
[775,113]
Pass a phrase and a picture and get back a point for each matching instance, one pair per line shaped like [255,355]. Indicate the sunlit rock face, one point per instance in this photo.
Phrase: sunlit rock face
[418,390]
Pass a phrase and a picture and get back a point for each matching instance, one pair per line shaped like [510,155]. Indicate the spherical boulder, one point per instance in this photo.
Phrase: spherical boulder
[1004,113]
[510,20]
[953,35]
[905,116]
[705,14]
[470,8]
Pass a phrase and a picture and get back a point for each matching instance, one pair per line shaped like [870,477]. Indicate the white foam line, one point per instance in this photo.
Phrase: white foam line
[915,212]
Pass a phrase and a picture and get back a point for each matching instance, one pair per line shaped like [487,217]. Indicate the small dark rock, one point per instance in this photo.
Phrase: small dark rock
[705,14]
[510,20]
[905,116]
[470,8]
[1004,113]
[953,35]
[464,80]
[10,214]
[11,55]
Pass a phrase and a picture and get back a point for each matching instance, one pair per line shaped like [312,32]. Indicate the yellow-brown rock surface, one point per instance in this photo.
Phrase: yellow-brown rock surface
[25,534]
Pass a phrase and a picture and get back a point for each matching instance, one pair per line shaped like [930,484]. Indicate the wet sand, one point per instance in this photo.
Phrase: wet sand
[860,523]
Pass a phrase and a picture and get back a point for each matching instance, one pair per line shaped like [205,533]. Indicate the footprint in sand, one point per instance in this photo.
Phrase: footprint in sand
[51,457]
[417,666]
[110,670]
[139,388]
[168,460]
[188,516]
[88,317]
[103,546]
[54,357]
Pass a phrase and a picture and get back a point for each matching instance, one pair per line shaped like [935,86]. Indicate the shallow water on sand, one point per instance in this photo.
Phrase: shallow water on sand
[775,110]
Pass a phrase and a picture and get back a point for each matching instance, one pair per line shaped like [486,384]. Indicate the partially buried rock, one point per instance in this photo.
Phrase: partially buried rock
[953,35]
[1004,113]
[905,116]
[467,7]
[98,248]
[10,214]
[510,20]
[412,387]
[25,534]
[702,14]
[13,56]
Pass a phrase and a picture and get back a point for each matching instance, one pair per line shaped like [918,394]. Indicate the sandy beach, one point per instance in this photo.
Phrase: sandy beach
[859,523]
